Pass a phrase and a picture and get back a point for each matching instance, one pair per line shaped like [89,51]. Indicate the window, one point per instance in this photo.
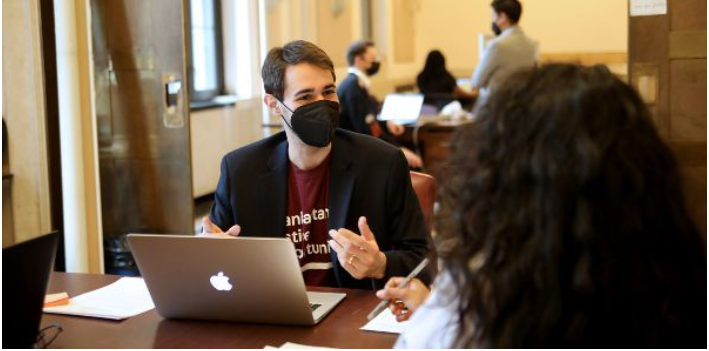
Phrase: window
[205,37]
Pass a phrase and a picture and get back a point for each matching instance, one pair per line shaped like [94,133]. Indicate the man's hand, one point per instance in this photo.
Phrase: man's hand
[404,301]
[395,129]
[413,159]
[210,230]
[359,255]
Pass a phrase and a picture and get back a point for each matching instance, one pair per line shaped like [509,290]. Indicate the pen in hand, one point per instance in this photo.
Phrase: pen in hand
[382,305]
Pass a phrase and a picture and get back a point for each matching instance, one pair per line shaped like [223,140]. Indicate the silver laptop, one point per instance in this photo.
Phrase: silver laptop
[255,280]
[401,108]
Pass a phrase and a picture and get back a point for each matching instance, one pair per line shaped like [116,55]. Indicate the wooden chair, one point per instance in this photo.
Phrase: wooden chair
[425,188]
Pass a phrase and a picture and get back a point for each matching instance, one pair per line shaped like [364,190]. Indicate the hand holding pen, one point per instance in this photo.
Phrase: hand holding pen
[405,300]
[402,295]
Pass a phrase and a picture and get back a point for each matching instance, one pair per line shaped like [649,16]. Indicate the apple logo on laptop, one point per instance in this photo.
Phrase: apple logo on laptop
[220,282]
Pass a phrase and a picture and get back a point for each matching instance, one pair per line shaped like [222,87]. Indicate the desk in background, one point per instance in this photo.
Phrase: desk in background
[148,330]
[434,136]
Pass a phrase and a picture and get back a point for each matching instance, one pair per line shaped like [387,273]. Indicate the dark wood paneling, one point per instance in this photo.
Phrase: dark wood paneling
[688,44]
[688,14]
[646,49]
[676,44]
[688,99]
[144,156]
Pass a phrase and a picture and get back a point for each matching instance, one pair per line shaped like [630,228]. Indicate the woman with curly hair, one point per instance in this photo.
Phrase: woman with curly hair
[563,225]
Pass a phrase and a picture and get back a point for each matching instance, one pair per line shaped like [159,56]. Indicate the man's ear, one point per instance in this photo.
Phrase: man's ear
[272,104]
[358,60]
[503,18]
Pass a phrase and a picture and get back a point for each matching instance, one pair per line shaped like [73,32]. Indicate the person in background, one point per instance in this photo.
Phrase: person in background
[345,200]
[510,51]
[438,86]
[359,108]
[565,226]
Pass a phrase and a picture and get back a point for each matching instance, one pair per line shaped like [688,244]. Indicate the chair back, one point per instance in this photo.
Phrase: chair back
[425,188]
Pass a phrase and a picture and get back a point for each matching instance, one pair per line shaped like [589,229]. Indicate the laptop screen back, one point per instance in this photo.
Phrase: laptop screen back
[402,108]
[25,273]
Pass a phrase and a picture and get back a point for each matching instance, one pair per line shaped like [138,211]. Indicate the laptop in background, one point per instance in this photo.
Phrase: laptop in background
[256,280]
[401,108]
[25,275]
[466,84]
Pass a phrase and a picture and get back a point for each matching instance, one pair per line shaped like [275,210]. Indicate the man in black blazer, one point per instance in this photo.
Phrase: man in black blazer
[358,107]
[320,186]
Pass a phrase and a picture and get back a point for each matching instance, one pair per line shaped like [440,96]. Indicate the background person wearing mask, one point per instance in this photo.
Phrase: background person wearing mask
[510,51]
[567,226]
[359,108]
[439,86]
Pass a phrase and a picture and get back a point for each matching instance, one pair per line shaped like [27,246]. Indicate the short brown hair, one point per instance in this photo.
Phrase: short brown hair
[511,8]
[357,48]
[299,51]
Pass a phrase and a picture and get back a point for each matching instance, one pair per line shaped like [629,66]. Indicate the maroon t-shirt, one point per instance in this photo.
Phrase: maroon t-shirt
[307,222]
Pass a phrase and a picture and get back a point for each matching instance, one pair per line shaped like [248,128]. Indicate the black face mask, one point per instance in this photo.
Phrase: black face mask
[496,29]
[374,68]
[315,123]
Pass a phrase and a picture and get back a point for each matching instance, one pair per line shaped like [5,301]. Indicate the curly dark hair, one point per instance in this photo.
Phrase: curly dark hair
[567,219]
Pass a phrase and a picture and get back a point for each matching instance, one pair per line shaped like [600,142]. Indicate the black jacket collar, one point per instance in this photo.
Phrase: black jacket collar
[274,184]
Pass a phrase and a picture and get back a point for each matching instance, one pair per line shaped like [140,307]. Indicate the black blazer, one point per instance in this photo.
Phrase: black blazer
[368,177]
[355,105]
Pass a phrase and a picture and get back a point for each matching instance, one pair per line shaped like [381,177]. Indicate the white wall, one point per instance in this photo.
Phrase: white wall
[566,26]
[214,133]
[23,110]
[578,26]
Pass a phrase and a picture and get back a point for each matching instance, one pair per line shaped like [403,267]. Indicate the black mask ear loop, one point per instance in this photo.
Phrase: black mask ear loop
[284,119]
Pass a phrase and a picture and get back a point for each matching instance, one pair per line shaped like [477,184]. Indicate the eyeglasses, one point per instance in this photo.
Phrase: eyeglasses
[47,335]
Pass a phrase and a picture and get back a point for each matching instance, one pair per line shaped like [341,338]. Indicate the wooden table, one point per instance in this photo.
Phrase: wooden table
[148,330]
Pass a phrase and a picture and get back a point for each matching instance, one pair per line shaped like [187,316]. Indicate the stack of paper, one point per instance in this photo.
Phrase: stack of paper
[125,298]
[385,322]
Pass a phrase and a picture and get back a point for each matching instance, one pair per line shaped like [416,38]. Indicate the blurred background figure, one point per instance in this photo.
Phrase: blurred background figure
[358,108]
[511,50]
[438,85]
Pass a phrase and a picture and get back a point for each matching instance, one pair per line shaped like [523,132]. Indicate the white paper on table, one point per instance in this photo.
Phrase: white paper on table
[385,322]
[127,297]
[291,345]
